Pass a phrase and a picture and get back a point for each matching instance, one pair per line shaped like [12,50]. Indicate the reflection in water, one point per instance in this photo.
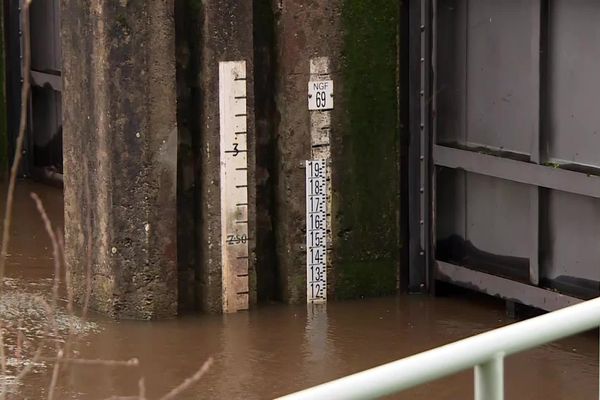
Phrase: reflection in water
[277,349]
[316,342]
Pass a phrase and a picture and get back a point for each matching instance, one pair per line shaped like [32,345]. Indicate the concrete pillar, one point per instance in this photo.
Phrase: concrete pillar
[304,30]
[360,39]
[226,35]
[120,155]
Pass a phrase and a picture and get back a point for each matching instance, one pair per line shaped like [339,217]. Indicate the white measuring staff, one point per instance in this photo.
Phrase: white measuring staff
[234,185]
[316,231]
[318,191]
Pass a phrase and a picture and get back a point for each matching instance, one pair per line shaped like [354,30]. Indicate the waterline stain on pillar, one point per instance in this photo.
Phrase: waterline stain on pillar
[120,154]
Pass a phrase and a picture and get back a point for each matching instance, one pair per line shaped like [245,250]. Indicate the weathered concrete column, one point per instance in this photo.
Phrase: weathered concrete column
[360,39]
[120,155]
[226,35]
[304,30]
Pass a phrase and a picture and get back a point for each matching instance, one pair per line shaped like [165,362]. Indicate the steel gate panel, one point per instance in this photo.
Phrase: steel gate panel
[573,134]
[513,146]
[571,250]
[502,67]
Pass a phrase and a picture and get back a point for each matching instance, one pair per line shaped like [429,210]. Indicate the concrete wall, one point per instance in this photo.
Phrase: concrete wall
[122,97]
[120,155]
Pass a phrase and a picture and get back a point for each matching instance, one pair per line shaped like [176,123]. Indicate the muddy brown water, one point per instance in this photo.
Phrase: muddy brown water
[275,349]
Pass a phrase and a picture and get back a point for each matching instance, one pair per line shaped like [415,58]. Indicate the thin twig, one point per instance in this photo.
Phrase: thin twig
[26,369]
[189,381]
[55,372]
[3,362]
[133,362]
[70,312]
[56,251]
[61,248]
[14,169]
[56,255]
[20,138]
[88,258]
[19,348]
[142,388]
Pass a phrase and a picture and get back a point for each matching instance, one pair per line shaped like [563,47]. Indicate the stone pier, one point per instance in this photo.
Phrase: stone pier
[120,155]
[360,39]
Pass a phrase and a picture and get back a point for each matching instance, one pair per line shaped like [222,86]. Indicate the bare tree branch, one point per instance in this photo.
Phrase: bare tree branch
[133,362]
[189,381]
[55,372]
[13,172]
[20,138]
[56,255]
[142,388]
[88,258]
[3,362]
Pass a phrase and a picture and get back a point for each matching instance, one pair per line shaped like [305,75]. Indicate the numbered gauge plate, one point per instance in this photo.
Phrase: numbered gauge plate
[234,185]
[320,95]
[316,231]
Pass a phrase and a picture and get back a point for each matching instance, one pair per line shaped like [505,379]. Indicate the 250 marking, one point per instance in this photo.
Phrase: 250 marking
[236,239]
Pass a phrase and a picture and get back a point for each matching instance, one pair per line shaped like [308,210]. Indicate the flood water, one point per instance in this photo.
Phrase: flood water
[269,351]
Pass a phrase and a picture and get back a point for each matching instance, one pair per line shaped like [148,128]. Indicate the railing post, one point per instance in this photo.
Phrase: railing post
[489,379]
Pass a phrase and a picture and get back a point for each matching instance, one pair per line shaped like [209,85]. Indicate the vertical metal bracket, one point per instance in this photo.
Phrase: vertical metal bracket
[420,143]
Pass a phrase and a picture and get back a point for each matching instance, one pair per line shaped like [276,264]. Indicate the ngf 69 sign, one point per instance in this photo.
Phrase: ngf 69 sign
[320,95]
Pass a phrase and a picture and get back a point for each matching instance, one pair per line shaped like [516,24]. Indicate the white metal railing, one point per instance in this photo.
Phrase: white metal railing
[484,352]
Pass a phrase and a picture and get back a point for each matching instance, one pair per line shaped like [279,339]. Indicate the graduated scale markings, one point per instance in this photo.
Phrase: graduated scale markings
[234,185]
[316,230]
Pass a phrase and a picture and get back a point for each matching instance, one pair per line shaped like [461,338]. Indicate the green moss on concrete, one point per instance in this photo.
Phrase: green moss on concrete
[368,202]
[366,279]
[264,23]
[3,122]
[194,5]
